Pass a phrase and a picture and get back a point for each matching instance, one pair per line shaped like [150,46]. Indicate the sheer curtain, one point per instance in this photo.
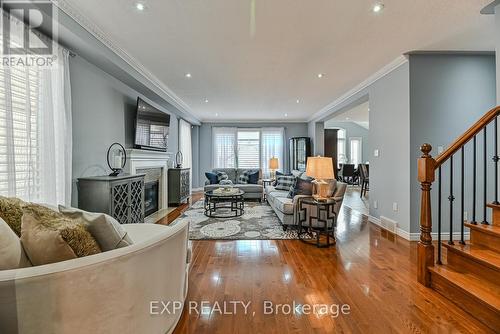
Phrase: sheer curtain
[224,147]
[35,129]
[272,146]
[186,148]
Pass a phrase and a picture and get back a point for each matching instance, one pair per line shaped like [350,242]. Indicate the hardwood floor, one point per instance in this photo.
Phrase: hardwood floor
[372,271]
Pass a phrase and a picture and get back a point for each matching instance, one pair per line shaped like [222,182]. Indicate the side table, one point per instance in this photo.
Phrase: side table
[322,222]
[265,182]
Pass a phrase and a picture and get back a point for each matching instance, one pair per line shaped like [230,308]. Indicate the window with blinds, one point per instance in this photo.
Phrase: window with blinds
[224,147]
[19,132]
[248,148]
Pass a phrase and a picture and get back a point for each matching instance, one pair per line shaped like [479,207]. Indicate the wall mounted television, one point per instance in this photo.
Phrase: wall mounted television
[151,127]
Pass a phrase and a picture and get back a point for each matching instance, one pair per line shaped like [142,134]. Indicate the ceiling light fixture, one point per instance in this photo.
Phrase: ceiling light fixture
[188,75]
[320,75]
[140,6]
[378,7]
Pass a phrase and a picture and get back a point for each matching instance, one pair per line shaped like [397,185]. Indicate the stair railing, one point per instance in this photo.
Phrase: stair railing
[427,167]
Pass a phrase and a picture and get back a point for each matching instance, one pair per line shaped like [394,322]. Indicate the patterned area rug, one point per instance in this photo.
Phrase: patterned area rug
[259,222]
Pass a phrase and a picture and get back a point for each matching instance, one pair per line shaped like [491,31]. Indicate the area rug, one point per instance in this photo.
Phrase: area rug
[259,222]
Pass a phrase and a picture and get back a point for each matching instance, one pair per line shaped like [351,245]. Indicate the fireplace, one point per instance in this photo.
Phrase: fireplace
[155,165]
[151,198]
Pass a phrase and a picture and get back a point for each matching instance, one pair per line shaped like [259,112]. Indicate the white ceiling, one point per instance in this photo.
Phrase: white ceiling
[260,77]
[358,115]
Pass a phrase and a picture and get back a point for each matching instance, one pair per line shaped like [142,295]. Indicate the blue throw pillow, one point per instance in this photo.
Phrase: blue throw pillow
[253,178]
[301,187]
[212,177]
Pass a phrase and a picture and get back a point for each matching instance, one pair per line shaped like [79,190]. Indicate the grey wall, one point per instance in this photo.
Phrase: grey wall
[448,93]
[390,172]
[497,22]
[205,140]
[389,133]
[353,130]
[103,113]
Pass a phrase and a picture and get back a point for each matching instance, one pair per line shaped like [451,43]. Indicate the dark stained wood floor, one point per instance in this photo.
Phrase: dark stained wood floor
[370,270]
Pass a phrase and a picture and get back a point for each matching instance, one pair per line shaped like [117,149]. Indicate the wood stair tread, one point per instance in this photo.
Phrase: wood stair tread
[481,254]
[493,206]
[490,229]
[485,291]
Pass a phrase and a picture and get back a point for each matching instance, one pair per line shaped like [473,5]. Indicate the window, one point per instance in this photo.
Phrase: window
[356,150]
[35,126]
[341,147]
[19,140]
[224,147]
[247,147]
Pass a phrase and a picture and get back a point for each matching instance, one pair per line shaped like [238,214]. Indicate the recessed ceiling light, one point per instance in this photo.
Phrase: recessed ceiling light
[188,75]
[140,6]
[378,7]
[320,75]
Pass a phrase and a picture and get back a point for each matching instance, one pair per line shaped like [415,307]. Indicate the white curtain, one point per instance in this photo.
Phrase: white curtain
[224,147]
[35,129]
[272,146]
[185,147]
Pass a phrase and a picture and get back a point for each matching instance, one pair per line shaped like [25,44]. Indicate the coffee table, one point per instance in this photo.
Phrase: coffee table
[224,204]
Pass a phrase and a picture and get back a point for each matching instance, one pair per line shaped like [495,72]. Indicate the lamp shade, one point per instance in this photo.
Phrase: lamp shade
[273,163]
[320,168]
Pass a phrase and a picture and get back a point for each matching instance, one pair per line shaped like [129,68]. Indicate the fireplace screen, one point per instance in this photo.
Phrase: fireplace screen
[151,197]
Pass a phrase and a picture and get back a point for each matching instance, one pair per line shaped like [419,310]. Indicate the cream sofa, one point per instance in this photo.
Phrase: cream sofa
[108,292]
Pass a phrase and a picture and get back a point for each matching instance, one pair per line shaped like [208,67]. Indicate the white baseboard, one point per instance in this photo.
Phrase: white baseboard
[416,236]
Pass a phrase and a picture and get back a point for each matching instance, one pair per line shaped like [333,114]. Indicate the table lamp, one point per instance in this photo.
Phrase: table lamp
[273,166]
[321,169]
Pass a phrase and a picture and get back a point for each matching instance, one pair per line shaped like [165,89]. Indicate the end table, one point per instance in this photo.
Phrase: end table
[322,223]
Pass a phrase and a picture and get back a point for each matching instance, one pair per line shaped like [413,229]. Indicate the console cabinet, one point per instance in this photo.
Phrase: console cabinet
[179,185]
[121,197]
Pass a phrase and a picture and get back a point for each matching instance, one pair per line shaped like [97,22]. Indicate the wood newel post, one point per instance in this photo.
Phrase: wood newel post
[426,175]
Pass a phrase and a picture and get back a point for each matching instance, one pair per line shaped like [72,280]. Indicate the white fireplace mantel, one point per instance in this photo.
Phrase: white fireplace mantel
[143,159]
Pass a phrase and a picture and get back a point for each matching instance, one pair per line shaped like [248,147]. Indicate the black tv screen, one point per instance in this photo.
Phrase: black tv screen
[151,127]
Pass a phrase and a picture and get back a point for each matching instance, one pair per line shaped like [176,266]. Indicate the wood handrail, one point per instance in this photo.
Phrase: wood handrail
[468,135]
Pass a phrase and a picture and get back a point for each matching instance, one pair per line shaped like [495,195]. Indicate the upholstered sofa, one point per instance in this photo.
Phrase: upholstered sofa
[110,292]
[252,191]
[287,208]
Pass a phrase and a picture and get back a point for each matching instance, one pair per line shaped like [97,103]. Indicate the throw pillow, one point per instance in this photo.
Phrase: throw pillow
[108,232]
[212,177]
[285,182]
[301,187]
[278,173]
[243,178]
[226,183]
[222,176]
[12,255]
[253,177]
[48,236]
[11,211]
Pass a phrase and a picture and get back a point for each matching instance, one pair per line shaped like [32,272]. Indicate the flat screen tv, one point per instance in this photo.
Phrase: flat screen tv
[151,127]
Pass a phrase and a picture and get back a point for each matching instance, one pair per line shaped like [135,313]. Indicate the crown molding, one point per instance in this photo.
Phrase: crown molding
[490,9]
[396,63]
[102,37]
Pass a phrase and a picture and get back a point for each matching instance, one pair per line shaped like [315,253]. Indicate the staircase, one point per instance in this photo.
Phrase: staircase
[466,271]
